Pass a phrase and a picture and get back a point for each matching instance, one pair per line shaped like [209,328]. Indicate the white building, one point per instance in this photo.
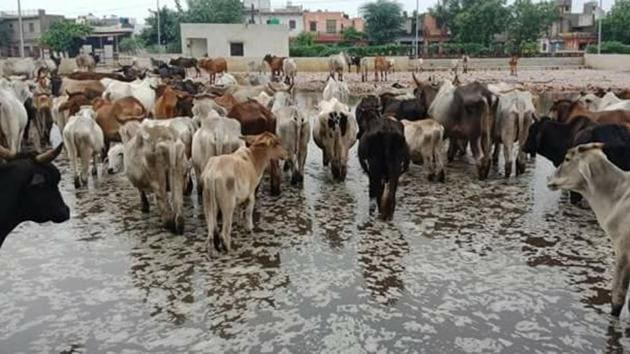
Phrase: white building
[234,40]
[258,4]
[290,17]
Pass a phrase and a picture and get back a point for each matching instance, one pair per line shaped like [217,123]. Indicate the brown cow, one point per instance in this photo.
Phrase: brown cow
[567,110]
[226,101]
[256,119]
[111,115]
[43,117]
[60,86]
[170,103]
[275,64]
[380,66]
[624,94]
[85,61]
[213,67]
[513,65]
[74,103]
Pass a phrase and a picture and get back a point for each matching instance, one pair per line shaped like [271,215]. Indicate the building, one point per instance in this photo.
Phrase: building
[327,26]
[571,31]
[257,4]
[233,40]
[289,16]
[107,32]
[429,34]
[34,24]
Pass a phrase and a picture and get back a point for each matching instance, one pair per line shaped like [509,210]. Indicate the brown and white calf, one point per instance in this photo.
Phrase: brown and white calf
[231,180]
[425,139]
[606,187]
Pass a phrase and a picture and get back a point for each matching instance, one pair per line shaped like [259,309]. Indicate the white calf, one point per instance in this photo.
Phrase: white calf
[425,139]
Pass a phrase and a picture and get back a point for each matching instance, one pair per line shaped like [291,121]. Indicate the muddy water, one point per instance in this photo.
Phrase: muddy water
[466,266]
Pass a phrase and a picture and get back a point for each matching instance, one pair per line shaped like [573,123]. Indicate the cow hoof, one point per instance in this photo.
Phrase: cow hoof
[520,168]
[297,179]
[575,198]
[77,182]
[441,176]
[110,171]
[616,310]
[275,191]
[94,172]
[508,170]
[431,177]
[179,225]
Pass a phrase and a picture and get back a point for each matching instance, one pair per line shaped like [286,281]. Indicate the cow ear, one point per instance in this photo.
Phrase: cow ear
[248,139]
[585,170]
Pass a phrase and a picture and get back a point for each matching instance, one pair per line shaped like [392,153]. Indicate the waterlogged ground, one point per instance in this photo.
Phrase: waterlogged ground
[466,266]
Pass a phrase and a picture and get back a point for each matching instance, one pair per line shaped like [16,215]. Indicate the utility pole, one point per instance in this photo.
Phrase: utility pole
[415,49]
[158,24]
[21,28]
[599,30]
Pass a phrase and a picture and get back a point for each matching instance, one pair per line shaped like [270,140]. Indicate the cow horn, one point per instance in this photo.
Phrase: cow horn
[6,153]
[123,120]
[271,88]
[415,79]
[49,155]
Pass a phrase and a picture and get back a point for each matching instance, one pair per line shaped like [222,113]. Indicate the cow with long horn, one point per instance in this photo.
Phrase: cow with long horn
[29,190]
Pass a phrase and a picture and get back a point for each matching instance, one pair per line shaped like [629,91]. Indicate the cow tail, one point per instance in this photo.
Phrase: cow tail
[486,132]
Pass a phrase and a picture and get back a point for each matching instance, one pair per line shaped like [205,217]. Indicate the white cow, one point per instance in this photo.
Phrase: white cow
[294,130]
[13,117]
[83,139]
[365,61]
[59,117]
[336,89]
[587,171]
[217,136]
[115,158]
[226,79]
[142,90]
[289,66]
[425,139]
[610,102]
[336,64]
[27,67]
[155,157]
[515,114]
[335,132]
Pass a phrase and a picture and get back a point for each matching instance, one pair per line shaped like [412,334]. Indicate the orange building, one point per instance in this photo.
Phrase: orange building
[327,26]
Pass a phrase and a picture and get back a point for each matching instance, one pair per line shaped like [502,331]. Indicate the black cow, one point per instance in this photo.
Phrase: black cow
[189,86]
[552,140]
[364,112]
[170,72]
[185,63]
[29,190]
[384,156]
[156,63]
[411,109]
[131,72]
[356,61]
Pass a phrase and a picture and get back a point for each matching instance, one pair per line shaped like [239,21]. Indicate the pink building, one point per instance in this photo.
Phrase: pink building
[327,26]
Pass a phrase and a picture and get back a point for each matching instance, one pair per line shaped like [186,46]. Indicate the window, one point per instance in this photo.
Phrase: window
[313,26]
[291,24]
[31,27]
[331,26]
[236,49]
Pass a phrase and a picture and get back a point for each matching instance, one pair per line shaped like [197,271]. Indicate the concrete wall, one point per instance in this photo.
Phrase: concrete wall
[257,40]
[617,62]
[402,63]
[284,19]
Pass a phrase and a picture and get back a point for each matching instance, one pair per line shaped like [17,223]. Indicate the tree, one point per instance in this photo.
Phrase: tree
[131,45]
[351,35]
[383,20]
[616,25]
[214,11]
[479,21]
[528,21]
[169,29]
[304,38]
[65,36]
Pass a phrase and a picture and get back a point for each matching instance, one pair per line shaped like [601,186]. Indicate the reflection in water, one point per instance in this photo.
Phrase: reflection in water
[501,265]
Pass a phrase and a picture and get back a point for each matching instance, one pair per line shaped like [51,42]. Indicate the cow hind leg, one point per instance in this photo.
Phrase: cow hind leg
[211,212]
[144,201]
[274,173]
[227,211]
[621,279]
[439,163]
[249,213]
[507,155]
[388,200]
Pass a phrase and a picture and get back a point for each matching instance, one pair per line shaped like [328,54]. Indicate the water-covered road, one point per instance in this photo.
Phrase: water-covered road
[466,266]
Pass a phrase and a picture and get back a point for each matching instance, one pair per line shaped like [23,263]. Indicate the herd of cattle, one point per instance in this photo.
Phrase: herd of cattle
[162,130]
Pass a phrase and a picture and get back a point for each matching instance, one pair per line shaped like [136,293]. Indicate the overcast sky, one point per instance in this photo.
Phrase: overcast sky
[139,8]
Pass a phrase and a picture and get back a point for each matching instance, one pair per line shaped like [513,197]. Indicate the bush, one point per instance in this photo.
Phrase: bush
[324,50]
[610,48]
[131,45]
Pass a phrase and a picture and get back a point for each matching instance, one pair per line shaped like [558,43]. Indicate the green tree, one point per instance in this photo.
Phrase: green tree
[616,25]
[65,36]
[169,29]
[479,21]
[304,38]
[131,45]
[383,20]
[214,11]
[351,35]
[528,21]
